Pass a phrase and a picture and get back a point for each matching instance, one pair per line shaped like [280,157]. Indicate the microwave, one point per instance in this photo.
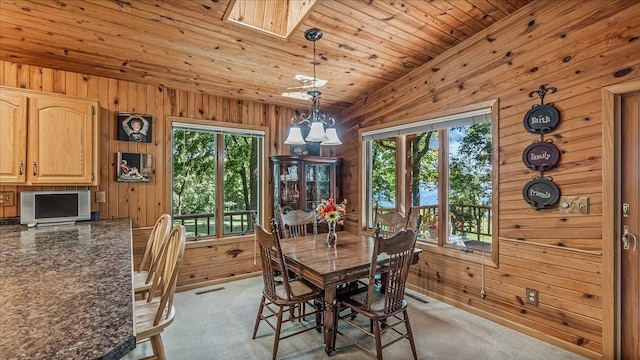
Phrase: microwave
[54,207]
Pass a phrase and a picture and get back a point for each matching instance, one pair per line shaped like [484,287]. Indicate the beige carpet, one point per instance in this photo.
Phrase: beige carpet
[218,325]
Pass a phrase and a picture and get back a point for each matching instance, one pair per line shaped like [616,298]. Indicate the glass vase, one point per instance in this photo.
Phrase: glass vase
[332,237]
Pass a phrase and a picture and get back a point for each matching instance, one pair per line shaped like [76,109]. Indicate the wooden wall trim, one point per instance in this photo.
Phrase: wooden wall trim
[555,247]
[224,241]
[217,281]
[611,211]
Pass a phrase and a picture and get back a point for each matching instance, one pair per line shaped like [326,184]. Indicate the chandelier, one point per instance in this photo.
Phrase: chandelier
[314,118]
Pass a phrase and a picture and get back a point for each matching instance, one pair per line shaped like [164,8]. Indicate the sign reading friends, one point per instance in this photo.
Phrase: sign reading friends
[541,193]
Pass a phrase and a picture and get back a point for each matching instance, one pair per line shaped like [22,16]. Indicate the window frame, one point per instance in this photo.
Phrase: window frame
[492,108]
[230,128]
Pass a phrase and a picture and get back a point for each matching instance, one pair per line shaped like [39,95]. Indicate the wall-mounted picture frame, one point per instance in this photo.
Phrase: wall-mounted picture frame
[134,167]
[134,127]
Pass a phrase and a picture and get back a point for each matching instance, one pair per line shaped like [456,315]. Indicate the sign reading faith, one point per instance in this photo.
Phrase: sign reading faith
[541,119]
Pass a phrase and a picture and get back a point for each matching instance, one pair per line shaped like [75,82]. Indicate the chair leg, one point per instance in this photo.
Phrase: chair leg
[304,311]
[158,349]
[318,305]
[336,323]
[410,334]
[378,338]
[292,311]
[258,317]
[276,341]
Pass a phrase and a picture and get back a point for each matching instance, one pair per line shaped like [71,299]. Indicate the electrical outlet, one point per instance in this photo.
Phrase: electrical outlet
[532,296]
[100,196]
[7,198]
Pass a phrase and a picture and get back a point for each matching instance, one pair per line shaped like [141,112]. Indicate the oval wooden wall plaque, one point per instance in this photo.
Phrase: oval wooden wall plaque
[541,119]
[541,155]
[541,193]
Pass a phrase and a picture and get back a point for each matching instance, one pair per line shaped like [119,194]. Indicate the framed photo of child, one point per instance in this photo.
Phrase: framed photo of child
[134,127]
[133,167]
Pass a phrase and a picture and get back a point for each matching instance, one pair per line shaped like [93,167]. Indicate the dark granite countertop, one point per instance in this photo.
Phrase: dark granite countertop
[66,291]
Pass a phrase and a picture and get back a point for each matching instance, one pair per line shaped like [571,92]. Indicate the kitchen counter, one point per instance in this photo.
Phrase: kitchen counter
[66,291]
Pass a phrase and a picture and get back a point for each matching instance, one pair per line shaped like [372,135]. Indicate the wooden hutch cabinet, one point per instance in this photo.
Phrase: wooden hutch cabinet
[300,182]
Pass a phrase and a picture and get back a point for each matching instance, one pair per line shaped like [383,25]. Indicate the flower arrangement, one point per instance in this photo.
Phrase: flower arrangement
[332,213]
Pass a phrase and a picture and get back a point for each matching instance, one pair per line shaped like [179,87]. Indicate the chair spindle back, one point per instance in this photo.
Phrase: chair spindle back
[158,236]
[166,276]
[390,222]
[399,251]
[272,261]
[294,223]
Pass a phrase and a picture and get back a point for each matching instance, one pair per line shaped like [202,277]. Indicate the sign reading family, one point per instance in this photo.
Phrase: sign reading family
[541,155]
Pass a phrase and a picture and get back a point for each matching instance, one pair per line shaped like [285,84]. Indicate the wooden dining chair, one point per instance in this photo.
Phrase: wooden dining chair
[142,277]
[283,293]
[154,314]
[390,221]
[393,256]
[295,223]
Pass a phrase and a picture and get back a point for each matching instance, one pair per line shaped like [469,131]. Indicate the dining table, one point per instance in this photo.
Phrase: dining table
[329,267]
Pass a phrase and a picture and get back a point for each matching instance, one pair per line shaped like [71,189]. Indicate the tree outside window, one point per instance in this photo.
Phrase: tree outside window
[449,167]
[216,181]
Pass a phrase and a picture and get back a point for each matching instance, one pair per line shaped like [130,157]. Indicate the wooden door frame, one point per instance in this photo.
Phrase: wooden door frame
[611,213]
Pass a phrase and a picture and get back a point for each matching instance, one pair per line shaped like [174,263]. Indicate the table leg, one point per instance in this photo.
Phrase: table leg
[329,319]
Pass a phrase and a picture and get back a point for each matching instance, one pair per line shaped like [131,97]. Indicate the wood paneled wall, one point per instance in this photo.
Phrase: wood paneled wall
[142,202]
[206,262]
[577,47]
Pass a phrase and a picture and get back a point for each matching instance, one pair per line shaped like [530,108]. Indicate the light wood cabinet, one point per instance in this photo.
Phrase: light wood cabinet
[47,139]
[13,137]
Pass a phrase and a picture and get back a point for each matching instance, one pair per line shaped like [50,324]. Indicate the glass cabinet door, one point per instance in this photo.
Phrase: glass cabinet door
[287,193]
[300,182]
[318,187]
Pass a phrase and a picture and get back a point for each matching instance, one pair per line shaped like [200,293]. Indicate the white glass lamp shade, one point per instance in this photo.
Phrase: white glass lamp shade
[333,138]
[317,133]
[295,136]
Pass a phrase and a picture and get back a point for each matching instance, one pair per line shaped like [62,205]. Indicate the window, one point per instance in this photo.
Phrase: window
[442,170]
[216,174]
[382,173]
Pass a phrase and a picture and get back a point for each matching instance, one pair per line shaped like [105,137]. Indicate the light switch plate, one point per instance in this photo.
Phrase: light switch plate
[100,197]
[573,205]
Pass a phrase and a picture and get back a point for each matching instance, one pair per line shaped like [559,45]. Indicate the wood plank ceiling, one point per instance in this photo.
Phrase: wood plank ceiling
[188,44]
